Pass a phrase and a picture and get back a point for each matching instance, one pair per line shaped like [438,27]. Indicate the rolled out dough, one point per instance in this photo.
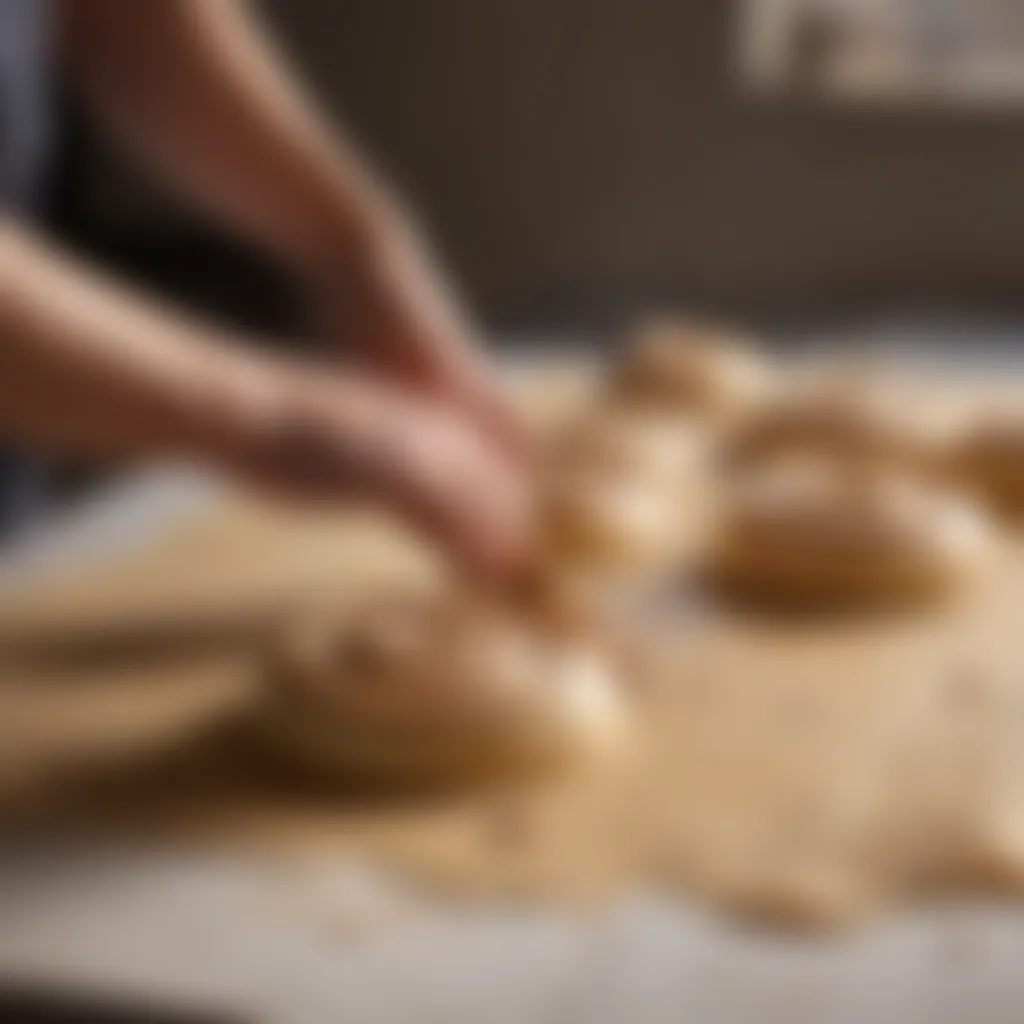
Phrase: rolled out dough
[806,770]
[441,690]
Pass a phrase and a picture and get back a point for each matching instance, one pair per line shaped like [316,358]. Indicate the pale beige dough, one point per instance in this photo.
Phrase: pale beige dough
[696,369]
[653,445]
[849,416]
[620,524]
[811,769]
[811,530]
[415,691]
[626,491]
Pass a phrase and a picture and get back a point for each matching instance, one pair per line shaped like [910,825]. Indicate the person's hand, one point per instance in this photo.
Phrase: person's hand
[328,436]
[92,370]
[385,304]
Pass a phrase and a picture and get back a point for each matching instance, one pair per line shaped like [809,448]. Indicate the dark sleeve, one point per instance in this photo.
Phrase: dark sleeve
[25,100]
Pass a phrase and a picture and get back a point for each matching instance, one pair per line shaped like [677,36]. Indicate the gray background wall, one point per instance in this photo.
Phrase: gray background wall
[579,155]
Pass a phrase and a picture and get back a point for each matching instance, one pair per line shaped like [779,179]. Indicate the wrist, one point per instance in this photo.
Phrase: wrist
[286,424]
[233,406]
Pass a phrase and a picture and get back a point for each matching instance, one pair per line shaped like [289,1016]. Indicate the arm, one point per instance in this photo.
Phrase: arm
[192,86]
[91,369]
[195,87]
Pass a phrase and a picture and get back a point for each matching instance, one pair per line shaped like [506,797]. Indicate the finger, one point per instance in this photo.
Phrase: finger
[470,501]
[460,382]
[358,440]
[460,495]
[484,400]
[455,373]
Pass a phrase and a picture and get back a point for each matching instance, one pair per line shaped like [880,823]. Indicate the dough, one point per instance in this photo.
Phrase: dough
[620,523]
[806,530]
[809,771]
[690,368]
[642,443]
[424,690]
[812,770]
[847,416]
[990,458]
[625,491]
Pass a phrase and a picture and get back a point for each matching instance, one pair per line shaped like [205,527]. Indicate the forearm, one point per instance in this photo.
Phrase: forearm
[88,368]
[197,90]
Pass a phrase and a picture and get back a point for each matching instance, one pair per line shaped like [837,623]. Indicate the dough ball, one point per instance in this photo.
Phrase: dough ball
[989,458]
[416,692]
[550,399]
[642,443]
[625,492]
[690,368]
[620,523]
[847,416]
[807,531]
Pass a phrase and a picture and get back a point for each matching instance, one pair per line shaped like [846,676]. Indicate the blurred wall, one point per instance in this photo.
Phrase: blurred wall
[578,156]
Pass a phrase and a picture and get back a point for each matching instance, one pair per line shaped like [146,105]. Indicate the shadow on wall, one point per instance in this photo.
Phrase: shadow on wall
[587,155]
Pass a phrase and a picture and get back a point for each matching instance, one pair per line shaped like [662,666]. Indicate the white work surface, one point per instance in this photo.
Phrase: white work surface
[290,945]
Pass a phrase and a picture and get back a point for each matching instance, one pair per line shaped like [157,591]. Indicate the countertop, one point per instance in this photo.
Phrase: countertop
[281,943]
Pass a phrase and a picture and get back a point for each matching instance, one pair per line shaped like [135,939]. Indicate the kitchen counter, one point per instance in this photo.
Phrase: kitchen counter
[273,940]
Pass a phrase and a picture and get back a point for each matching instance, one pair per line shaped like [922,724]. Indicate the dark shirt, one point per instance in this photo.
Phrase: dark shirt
[24,144]
[24,101]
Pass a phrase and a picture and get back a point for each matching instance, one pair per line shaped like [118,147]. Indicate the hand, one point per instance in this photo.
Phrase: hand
[391,310]
[89,369]
[327,437]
